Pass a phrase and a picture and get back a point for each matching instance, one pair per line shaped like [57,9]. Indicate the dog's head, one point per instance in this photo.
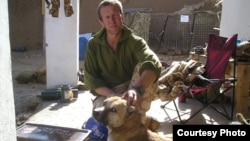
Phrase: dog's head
[113,112]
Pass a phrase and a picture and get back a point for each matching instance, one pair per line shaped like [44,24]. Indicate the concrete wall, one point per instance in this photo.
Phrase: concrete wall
[61,38]
[235,19]
[26,23]
[7,110]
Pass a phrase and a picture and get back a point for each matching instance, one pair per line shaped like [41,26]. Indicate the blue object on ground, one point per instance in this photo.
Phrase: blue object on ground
[98,130]
[238,42]
[83,40]
[19,49]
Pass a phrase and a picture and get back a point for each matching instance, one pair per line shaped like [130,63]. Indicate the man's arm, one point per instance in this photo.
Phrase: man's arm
[132,95]
[147,77]
[105,91]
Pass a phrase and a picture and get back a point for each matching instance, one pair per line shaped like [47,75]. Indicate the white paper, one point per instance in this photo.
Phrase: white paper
[184,18]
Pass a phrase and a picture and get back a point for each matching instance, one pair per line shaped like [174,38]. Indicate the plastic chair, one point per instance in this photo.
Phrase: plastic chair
[220,51]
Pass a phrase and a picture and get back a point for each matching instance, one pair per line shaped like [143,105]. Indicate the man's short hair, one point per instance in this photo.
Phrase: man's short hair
[107,3]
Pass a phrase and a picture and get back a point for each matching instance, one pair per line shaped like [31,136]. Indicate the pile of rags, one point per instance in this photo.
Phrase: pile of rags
[177,76]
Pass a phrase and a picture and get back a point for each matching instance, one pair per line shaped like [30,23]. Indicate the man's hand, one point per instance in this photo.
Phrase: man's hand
[132,97]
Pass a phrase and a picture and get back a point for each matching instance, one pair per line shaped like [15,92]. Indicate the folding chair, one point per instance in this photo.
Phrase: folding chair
[220,51]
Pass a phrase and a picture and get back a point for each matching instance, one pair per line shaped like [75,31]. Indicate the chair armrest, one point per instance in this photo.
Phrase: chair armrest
[203,81]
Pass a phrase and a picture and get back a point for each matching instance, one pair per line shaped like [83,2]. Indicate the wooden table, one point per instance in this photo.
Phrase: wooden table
[242,87]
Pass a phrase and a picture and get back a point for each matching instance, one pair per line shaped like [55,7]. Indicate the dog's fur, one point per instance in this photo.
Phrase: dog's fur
[124,122]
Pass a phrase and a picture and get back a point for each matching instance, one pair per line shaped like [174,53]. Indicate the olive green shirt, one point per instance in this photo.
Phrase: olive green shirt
[104,67]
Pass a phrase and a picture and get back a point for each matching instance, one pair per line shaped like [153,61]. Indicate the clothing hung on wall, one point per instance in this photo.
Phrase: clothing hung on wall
[54,6]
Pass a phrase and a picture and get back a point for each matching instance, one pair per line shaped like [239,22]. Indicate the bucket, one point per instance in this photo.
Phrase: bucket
[83,41]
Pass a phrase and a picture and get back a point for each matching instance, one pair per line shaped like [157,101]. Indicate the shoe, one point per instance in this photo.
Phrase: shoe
[242,119]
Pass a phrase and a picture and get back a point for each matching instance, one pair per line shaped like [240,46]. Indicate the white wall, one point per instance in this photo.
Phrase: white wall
[7,109]
[235,19]
[61,37]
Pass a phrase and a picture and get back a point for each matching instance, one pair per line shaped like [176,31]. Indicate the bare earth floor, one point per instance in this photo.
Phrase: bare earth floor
[25,95]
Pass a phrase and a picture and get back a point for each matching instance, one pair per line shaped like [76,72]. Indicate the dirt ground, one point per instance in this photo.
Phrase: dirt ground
[27,95]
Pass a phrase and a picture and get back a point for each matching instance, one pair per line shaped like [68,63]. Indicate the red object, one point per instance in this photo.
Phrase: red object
[182,98]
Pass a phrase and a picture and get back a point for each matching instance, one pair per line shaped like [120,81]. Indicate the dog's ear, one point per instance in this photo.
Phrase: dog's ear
[130,110]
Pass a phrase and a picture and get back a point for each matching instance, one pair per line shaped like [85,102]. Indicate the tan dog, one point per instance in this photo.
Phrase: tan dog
[124,122]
